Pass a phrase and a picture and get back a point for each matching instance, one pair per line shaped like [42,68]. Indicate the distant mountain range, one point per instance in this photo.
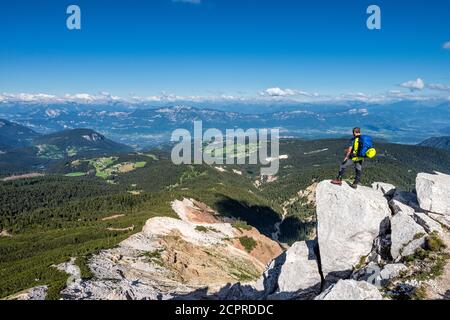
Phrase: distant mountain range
[437,142]
[13,135]
[23,149]
[145,126]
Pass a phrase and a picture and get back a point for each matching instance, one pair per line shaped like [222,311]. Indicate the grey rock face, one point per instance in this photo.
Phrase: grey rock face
[428,223]
[36,293]
[386,189]
[391,271]
[440,218]
[398,206]
[294,274]
[348,222]
[351,290]
[407,235]
[373,274]
[433,192]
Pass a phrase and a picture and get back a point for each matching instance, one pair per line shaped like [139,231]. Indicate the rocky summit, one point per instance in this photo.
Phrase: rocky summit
[348,221]
[372,244]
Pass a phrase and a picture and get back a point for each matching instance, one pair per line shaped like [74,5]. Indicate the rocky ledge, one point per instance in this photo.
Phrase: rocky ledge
[372,243]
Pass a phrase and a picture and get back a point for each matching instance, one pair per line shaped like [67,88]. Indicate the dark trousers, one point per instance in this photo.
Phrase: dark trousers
[358,169]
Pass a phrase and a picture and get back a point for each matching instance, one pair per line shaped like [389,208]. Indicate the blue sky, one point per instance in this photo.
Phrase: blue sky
[224,47]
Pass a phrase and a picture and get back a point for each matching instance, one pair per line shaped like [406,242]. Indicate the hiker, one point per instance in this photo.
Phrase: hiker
[352,157]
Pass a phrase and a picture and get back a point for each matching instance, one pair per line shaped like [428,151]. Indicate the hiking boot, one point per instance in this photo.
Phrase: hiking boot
[354,185]
[337,182]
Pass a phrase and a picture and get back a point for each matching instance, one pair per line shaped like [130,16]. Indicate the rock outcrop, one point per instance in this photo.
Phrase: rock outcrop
[36,293]
[176,259]
[348,222]
[428,223]
[292,275]
[351,290]
[363,236]
[407,235]
[386,189]
[433,192]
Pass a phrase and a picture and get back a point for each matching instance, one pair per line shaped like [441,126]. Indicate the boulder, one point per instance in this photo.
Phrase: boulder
[351,290]
[398,206]
[348,222]
[427,223]
[373,273]
[386,189]
[292,275]
[390,271]
[433,192]
[407,235]
[442,219]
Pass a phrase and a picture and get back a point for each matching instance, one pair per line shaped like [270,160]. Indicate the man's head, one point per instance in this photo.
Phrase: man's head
[356,132]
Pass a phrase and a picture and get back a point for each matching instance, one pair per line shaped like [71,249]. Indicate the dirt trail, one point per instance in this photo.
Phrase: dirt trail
[24,176]
[121,229]
[116,216]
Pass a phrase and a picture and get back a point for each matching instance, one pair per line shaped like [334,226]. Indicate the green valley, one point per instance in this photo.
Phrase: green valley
[62,214]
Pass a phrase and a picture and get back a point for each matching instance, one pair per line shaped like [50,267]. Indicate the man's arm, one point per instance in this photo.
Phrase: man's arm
[347,153]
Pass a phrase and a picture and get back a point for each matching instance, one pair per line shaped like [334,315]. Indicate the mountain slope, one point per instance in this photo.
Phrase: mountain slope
[81,140]
[53,218]
[39,152]
[13,135]
[437,142]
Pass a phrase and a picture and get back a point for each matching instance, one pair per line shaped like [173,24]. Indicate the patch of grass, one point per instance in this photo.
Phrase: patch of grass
[434,243]
[361,263]
[140,164]
[76,174]
[152,254]
[82,263]
[201,229]
[151,156]
[419,294]
[248,243]
[241,225]
[418,235]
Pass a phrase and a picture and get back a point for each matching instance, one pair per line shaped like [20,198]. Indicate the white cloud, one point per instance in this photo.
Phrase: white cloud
[278,92]
[270,95]
[439,87]
[446,45]
[413,85]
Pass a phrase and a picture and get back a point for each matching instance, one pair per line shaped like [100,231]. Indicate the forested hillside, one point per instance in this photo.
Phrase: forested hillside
[83,205]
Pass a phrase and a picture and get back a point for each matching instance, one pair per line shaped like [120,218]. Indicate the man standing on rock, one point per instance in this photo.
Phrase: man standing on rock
[352,158]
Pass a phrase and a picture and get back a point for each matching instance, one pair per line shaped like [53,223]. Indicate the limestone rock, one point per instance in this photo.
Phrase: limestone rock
[35,293]
[386,189]
[442,219]
[391,271]
[351,290]
[294,274]
[433,192]
[406,236]
[193,257]
[348,223]
[427,223]
[398,206]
